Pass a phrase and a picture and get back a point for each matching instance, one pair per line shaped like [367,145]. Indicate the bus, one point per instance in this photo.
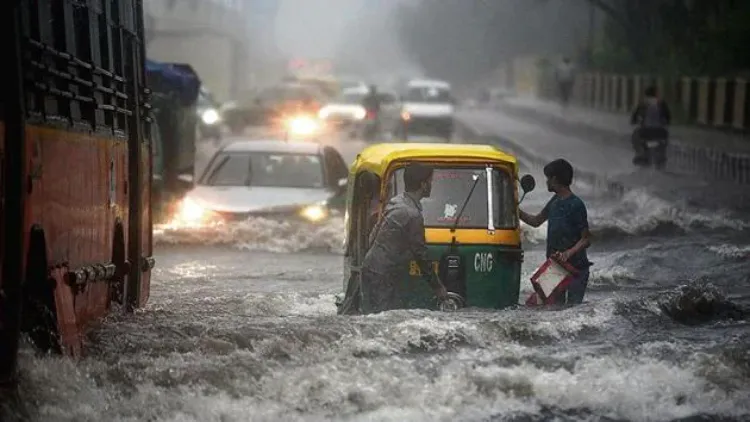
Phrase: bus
[75,216]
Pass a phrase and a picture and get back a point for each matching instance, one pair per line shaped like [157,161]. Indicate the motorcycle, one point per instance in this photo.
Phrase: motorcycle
[650,147]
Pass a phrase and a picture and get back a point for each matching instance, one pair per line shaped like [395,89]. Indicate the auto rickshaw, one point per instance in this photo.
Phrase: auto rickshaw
[471,222]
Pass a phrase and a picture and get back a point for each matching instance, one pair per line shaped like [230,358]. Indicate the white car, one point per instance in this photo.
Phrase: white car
[347,111]
[427,108]
[267,178]
[346,108]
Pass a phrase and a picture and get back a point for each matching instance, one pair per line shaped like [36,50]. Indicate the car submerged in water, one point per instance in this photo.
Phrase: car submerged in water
[299,181]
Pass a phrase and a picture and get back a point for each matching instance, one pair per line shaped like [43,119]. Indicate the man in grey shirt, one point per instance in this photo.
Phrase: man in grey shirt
[397,239]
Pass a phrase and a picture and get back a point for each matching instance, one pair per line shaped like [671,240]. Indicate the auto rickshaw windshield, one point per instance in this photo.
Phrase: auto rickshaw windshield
[450,188]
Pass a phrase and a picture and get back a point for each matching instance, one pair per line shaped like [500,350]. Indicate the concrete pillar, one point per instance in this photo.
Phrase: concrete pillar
[597,90]
[738,115]
[637,90]
[720,96]
[660,87]
[702,101]
[616,80]
[623,104]
[686,93]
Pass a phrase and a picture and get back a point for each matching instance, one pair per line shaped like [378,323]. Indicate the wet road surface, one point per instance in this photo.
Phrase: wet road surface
[242,326]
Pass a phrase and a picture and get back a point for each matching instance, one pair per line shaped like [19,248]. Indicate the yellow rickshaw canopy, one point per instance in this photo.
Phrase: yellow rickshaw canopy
[377,158]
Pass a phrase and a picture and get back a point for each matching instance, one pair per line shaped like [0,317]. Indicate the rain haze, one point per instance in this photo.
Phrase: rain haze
[277,198]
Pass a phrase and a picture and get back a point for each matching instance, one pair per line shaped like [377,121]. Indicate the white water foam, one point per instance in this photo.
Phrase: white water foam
[731,251]
[638,212]
[328,381]
[258,234]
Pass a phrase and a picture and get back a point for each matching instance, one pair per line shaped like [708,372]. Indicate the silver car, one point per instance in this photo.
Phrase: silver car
[267,178]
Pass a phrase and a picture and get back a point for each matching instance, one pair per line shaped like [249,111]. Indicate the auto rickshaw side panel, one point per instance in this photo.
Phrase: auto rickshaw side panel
[491,277]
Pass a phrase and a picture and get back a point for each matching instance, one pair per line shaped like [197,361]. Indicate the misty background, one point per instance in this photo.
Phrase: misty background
[467,42]
[459,40]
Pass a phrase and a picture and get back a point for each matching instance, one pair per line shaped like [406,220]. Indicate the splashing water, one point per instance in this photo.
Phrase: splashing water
[258,234]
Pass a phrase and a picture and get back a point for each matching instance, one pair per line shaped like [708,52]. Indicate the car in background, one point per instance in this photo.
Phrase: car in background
[427,108]
[300,181]
[347,112]
[273,105]
[209,117]
[346,108]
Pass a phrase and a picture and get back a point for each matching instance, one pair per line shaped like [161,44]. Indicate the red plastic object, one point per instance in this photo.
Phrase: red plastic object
[550,278]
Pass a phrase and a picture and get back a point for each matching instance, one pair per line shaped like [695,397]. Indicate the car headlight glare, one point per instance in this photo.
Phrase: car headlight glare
[314,213]
[190,211]
[304,126]
[360,114]
[324,113]
[210,116]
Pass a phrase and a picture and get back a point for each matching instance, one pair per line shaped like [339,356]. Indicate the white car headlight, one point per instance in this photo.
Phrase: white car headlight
[314,213]
[210,116]
[190,211]
[360,114]
[304,126]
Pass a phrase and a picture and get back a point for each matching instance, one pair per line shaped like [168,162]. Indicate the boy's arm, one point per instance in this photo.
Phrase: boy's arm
[579,220]
[535,220]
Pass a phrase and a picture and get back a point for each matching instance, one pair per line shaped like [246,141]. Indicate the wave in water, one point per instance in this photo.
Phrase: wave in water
[640,213]
[295,360]
[260,234]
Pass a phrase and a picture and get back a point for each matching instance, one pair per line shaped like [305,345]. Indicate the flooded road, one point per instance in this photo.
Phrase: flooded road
[242,326]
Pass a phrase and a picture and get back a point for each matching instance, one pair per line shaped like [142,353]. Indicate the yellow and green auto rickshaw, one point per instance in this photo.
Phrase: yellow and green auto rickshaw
[471,222]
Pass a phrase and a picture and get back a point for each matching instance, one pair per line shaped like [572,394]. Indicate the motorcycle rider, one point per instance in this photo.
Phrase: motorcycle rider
[371,103]
[653,115]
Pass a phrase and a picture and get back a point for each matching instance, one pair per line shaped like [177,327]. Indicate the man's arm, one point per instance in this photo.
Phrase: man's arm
[637,111]
[535,220]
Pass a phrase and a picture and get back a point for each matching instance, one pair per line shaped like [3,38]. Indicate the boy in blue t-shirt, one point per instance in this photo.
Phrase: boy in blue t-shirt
[568,233]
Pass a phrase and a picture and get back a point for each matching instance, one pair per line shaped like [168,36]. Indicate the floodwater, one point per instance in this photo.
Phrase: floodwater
[242,326]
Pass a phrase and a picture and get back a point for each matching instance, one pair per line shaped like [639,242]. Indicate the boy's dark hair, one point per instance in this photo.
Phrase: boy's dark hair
[415,174]
[561,170]
[650,91]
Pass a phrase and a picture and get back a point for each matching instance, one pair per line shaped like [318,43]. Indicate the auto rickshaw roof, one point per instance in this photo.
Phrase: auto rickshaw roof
[377,158]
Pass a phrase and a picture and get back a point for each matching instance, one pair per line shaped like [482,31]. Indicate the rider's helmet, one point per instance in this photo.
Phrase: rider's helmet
[373,89]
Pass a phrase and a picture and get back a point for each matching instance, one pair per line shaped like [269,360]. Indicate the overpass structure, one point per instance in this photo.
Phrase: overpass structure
[218,38]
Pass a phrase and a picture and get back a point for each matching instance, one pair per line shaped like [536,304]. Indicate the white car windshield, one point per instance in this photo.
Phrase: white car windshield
[266,169]
[350,98]
[428,95]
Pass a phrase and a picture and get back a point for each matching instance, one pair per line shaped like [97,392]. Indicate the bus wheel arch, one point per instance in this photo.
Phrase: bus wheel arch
[39,310]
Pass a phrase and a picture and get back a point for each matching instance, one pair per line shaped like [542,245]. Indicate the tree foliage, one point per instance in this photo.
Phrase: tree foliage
[675,36]
[462,39]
